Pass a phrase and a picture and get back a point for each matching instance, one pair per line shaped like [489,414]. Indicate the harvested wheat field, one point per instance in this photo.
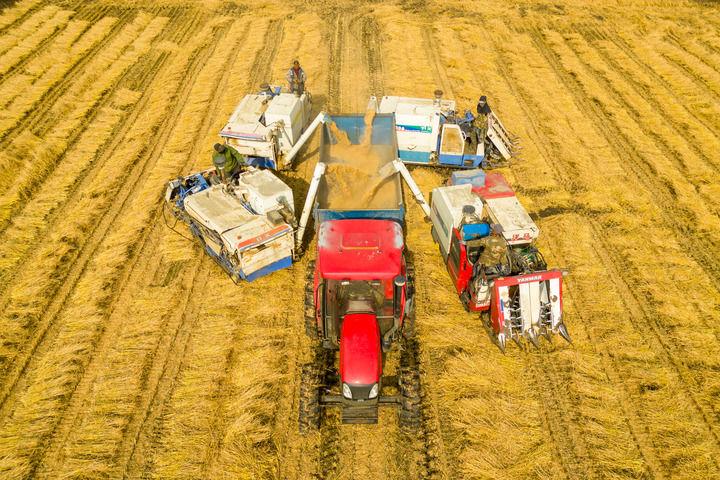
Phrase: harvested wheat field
[127,353]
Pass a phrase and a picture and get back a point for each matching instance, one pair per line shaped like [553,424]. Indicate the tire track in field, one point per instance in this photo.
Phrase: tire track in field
[56,91]
[151,154]
[644,445]
[568,434]
[568,442]
[336,40]
[165,365]
[328,454]
[428,433]
[623,45]
[138,436]
[259,73]
[429,45]
[680,223]
[137,80]
[46,323]
[372,46]
[643,91]
[670,152]
[613,369]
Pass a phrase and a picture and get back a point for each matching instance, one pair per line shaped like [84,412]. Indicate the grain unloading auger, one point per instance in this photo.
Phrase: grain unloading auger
[505,278]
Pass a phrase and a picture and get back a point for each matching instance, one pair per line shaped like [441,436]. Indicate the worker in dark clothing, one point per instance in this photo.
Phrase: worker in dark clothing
[296,79]
[481,119]
[494,251]
[227,160]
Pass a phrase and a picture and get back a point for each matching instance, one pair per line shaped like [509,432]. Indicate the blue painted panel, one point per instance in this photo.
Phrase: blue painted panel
[322,215]
[454,160]
[354,125]
[262,162]
[413,156]
[273,267]
[475,230]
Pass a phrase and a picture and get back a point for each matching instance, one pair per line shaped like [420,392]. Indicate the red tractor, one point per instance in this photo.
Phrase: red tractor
[359,296]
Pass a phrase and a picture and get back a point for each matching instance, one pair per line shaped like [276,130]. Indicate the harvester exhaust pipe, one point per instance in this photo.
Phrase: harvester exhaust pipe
[312,191]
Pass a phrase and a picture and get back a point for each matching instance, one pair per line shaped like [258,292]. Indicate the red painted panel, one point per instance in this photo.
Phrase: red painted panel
[360,249]
[360,353]
[495,187]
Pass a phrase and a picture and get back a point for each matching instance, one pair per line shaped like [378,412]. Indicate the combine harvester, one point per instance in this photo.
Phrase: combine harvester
[267,127]
[519,297]
[429,132]
[246,222]
[360,295]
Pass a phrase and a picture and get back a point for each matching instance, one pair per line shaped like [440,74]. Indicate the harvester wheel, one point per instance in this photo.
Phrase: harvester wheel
[310,321]
[409,384]
[309,417]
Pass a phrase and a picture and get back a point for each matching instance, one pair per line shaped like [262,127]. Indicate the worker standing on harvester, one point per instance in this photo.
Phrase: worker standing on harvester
[494,250]
[227,160]
[296,79]
[481,120]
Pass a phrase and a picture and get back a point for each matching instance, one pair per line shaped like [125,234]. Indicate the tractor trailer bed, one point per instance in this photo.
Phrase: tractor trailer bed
[355,149]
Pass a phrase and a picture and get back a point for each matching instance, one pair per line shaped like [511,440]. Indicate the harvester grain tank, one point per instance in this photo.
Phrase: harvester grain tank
[430,132]
[360,294]
[519,297]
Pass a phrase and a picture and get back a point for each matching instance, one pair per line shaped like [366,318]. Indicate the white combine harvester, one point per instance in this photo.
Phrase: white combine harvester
[246,222]
[267,126]
[429,132]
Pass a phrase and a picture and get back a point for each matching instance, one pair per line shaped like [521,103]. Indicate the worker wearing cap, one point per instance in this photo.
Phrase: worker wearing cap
[495,248]
[296,79]
[227,158]
[481,119]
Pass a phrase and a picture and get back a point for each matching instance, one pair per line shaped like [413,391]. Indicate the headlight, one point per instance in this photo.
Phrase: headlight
[346,391]
[373,391]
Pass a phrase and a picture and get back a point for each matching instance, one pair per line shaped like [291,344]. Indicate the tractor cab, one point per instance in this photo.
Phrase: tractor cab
[360,270]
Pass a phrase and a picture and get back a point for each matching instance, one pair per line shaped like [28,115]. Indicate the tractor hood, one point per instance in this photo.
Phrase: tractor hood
[360,354]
